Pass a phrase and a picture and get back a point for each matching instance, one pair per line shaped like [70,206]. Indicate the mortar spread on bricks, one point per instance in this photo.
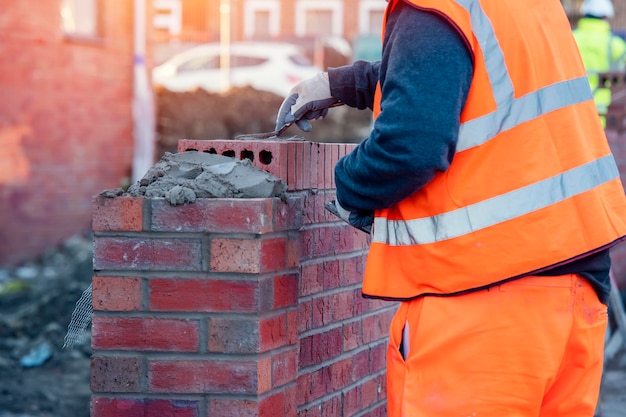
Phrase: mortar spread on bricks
[183,177]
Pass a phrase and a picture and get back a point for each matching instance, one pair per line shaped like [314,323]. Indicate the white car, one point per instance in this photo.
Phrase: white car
[266,66]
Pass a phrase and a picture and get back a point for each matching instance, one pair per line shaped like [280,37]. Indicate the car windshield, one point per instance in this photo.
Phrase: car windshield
[200,63]
[237,61]
[300,60]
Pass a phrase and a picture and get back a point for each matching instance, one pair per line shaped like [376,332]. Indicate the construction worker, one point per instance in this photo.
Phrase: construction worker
[601,50]
[494,198]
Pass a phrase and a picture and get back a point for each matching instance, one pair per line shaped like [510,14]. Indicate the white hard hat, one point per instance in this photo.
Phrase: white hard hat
[597,8]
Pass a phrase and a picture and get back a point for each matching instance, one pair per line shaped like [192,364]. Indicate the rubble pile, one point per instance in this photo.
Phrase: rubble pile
[37,376]
[203,115]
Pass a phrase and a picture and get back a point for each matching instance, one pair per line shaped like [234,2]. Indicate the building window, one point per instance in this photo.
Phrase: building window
[168,16]
[371,14]
[80,18]
[261,19]
[320,18]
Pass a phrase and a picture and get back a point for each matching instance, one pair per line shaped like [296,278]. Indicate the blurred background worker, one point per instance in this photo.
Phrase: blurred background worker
[601,49]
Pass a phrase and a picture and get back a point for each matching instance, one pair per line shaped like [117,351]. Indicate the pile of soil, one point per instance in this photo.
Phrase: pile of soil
[203,115]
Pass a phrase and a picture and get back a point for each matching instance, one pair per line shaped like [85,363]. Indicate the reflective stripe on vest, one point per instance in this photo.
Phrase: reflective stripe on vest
[495,210]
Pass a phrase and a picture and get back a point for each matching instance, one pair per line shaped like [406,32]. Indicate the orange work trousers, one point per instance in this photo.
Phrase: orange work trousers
[533,347]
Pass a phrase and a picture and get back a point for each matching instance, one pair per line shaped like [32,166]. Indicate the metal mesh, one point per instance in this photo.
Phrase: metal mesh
[81,317]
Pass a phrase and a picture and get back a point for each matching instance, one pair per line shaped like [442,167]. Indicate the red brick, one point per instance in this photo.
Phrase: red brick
[274,254]
[360,365]
[320,347]
[136,253]
[203,295]
[321,382]
[272,405]
[314,166]
[332,274]
[305,315]
[248,255]
[290,215]
[285,291]
[351,401]
[344,238]
[314,410]
[321,241]
[293,251]
[218,215]
[376,326]
[284,367]
[292,167]
[352,335]
[341,373]
[321,167]
[115,374]
[333,161]
[378,356]
[292,327]
[145,334]
[233,335]
[291,395]
[127,407]
[116,293]
[306,164]
[328,167]
[369,392]
[311,279]
[226,407]
[353,269]
[332,406]
[117,214]
[207,376]
[343,303]
[379,411]
[304,389]
[273,332]
[322,310]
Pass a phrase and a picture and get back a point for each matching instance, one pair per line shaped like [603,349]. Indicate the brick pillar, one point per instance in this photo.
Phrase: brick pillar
[236,307]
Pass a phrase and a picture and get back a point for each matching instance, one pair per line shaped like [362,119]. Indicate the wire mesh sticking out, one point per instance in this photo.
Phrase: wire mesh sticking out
[81,317]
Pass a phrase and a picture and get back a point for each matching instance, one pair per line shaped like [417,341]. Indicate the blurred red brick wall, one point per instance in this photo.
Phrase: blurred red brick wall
[65,121]
[237,307]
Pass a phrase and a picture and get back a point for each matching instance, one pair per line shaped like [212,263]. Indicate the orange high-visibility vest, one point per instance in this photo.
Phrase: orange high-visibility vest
[533,183]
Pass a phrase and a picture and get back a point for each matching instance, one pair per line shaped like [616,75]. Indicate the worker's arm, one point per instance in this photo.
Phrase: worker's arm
[354,85]
[425,75]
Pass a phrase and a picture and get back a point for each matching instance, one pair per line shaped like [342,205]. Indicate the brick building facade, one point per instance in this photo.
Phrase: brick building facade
[66,82]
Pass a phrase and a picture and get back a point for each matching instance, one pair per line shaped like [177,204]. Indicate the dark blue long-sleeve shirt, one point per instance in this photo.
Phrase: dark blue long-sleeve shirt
[415,134]
[425,75]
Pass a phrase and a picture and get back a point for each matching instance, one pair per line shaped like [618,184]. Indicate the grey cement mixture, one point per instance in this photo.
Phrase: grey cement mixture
[182,178]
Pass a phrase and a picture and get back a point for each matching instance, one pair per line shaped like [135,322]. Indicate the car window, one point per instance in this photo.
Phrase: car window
[245,61]
[200,63]
[300,60]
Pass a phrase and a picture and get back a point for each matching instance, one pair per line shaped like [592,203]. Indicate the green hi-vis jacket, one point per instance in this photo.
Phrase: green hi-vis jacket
[601,51]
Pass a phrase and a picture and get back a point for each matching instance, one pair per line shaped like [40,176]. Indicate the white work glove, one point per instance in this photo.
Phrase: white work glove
[308,100]
[361,220]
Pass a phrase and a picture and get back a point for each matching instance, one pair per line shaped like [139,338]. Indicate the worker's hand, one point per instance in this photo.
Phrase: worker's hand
[361,220]
[308,100]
